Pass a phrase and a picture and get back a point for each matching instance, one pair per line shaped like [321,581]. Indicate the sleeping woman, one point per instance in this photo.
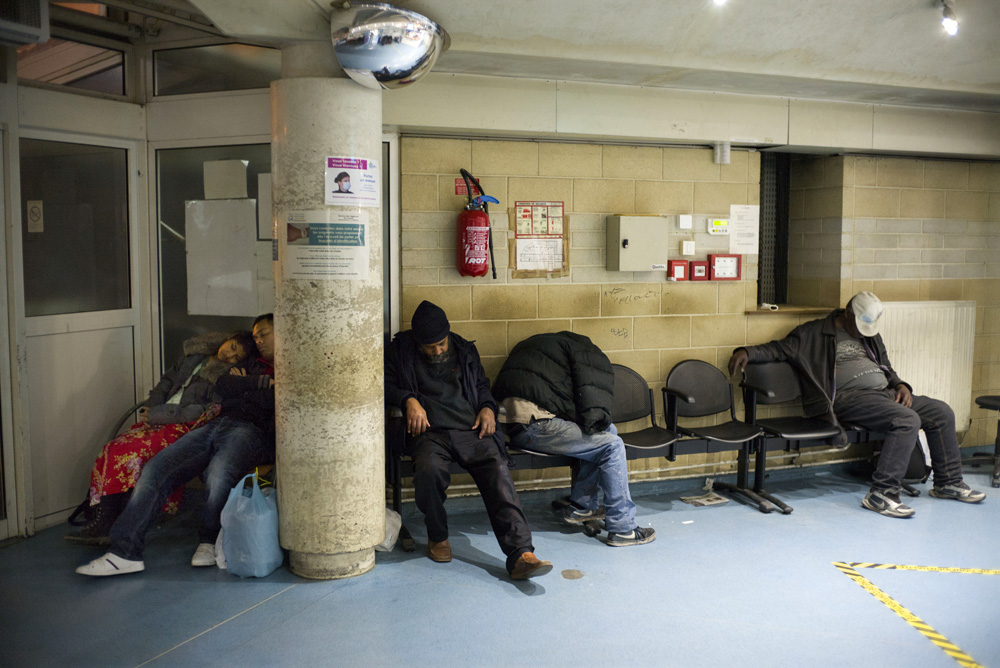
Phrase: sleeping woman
[183,400]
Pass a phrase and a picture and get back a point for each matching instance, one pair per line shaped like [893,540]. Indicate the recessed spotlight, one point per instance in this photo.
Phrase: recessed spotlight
[948,21]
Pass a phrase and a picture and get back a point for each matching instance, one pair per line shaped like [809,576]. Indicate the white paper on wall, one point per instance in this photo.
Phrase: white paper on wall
[225,179]
[221,240]
[264,207]
[744,225]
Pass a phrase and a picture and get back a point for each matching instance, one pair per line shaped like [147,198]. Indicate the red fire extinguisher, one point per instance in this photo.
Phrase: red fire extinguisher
[475,237]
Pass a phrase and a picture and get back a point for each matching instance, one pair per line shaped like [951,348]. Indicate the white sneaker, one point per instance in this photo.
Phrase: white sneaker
[204,555]
[111,564]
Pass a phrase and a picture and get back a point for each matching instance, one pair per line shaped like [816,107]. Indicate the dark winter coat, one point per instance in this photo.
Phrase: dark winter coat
[811,349]
[199,393]
[401,374]
[564,373]
[251,397]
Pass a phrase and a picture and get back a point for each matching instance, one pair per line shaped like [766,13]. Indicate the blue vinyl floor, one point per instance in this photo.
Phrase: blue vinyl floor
[721,586]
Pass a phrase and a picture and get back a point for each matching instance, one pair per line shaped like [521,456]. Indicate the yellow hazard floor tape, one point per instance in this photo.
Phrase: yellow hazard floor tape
[952,650]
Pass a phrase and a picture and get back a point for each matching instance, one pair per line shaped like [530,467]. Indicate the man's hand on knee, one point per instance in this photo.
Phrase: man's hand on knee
[486,423]
[903,396]
[416,418]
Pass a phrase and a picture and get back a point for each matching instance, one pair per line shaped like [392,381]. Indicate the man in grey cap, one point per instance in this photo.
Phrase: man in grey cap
[437,380]
[846,378]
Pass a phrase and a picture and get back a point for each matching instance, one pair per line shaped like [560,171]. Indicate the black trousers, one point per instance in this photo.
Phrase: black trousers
[878,410]
[432,451]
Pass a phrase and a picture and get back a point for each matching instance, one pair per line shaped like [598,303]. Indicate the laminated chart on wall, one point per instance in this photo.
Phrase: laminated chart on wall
[221,243]
[540,246]
[326,245]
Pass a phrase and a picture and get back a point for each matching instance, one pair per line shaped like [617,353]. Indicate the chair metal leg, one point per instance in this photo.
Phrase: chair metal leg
[996,459]
[405,539]
[759,474]
[981,458]
[763,505]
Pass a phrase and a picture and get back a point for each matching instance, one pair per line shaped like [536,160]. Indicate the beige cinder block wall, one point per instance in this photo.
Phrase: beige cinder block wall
[638,318]
[907,229]
[921,229]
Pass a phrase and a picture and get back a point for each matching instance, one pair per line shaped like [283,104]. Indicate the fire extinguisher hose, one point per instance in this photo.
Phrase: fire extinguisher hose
[486,209]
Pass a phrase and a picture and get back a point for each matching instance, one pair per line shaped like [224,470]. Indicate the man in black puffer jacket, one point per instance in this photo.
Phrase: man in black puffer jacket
[556,390]
[438,381]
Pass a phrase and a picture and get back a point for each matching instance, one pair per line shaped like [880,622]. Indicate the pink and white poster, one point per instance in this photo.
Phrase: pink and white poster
[352,182]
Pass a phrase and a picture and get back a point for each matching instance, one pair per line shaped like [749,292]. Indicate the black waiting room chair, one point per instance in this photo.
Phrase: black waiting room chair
[633,400]
[778,383]
[989,403]
[698,389]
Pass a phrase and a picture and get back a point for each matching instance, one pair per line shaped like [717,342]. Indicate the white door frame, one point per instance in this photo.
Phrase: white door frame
[12,521]
[392,183]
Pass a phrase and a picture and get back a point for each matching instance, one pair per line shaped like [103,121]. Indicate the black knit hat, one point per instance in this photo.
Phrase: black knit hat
[430,324]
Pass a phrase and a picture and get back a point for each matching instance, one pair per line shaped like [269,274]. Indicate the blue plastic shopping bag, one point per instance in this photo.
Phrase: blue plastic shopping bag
[250,531]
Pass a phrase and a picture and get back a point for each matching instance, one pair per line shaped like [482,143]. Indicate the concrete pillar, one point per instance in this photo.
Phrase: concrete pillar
[328,331]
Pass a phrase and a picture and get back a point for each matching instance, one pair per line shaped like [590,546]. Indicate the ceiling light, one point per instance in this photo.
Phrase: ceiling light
[948,21]
[719,2]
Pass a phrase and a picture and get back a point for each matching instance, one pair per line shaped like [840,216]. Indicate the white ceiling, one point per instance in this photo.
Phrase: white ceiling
[878,51]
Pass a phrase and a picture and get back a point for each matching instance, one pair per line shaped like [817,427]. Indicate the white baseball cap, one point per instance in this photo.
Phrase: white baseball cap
[867,309]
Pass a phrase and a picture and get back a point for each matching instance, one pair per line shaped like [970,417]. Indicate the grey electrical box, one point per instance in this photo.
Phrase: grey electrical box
[637,243]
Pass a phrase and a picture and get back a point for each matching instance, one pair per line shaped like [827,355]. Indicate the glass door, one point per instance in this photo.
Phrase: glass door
[81,319]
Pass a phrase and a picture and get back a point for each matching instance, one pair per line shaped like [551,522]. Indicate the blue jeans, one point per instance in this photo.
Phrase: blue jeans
[225,449]
[602,466]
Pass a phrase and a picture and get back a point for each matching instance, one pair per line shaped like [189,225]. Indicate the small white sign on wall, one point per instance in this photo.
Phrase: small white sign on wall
[36,218]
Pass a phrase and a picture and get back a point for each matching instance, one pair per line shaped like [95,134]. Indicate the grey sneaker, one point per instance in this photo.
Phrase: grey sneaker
[886,503]
[958,491]
[638,536]
[573,515]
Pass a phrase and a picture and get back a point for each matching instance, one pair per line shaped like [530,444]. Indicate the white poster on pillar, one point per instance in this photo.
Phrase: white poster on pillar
[352,182]
[326,245]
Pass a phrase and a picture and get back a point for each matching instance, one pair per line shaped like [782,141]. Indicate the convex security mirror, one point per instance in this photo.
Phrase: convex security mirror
[385,47]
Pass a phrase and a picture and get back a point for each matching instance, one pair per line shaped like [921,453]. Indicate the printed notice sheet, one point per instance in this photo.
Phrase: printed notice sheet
[352,182]
[744,221]
[326,245]
[539,236]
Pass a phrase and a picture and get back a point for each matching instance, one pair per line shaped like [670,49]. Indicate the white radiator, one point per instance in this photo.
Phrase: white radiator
[930,345]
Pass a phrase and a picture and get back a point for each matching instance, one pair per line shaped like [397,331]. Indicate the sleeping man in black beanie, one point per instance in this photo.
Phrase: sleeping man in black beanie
[438,381]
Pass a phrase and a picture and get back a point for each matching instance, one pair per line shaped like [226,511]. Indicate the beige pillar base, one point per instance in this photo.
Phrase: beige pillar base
[331,566]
